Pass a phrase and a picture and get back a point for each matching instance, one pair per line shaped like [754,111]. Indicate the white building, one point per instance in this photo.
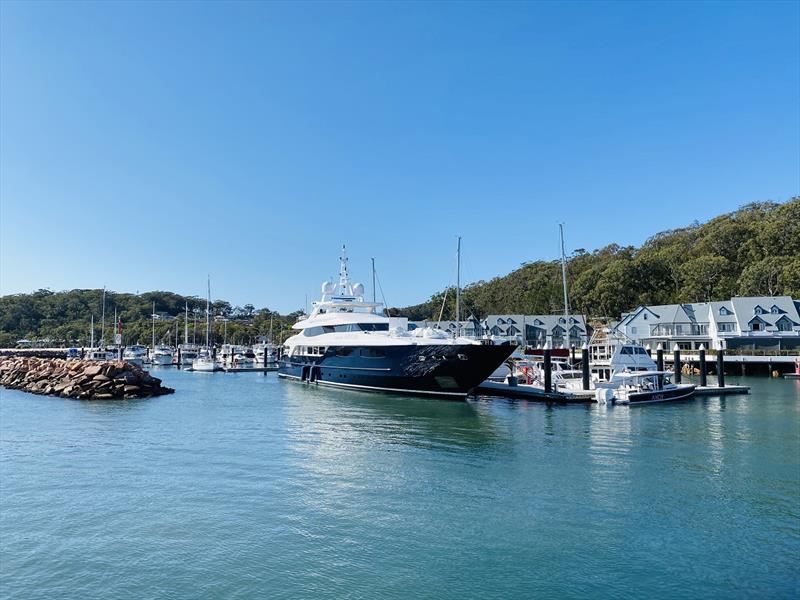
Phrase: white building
[537,330]
[758,323]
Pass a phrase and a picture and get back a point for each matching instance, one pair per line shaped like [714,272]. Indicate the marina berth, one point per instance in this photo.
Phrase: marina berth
[349,342]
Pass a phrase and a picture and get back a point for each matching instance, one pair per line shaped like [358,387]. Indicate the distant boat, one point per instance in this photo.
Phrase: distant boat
[135,354]
[161,356]
[205,360]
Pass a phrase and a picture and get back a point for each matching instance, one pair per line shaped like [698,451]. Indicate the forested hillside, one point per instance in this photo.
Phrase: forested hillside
[752,251]
[66,317]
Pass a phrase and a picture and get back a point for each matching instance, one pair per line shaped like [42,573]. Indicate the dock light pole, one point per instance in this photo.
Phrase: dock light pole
[676,364]
[585,365]
[548,373]
[703,371]
[721,364]
[660,363]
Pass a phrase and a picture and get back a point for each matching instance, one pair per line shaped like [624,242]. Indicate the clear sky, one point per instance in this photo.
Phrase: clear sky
[145,145]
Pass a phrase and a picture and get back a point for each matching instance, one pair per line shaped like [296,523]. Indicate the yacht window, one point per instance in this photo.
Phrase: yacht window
[344,351]
[625,350]
[373,352]
[312,331]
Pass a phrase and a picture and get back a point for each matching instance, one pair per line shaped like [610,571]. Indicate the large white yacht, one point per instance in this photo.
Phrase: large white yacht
[349,342]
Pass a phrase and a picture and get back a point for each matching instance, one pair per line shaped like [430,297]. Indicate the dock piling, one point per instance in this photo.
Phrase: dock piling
[703,372]
[660,363]
[676,362]
[548,373]
[585,365]
[721,367]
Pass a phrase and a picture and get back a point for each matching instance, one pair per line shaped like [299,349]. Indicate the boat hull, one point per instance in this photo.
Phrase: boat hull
[430,370]
[682,392]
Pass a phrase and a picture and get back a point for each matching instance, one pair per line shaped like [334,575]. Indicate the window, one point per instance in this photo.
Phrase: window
[511,322]
[344,351]
[784,324]
[678,329]
[373,352]
[756,326]
[724,311]
[644,316]
[633,330]
[775,310]
[562,320]
[758,310]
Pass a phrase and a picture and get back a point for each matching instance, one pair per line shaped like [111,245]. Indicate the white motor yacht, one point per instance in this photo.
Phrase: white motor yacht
[161,356]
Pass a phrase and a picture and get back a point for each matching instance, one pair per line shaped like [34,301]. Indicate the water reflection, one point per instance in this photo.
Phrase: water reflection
[388,419]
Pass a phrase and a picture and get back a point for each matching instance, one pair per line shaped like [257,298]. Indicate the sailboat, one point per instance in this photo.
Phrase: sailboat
[187,351]
[205,360]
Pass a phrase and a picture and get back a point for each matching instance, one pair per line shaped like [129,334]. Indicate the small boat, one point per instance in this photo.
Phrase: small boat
[642,387]
[136,355]
[98,354]
[187,353]
[205,362]
[161,355]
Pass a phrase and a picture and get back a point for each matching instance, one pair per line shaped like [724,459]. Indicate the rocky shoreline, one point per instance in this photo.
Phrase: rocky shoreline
[79,379]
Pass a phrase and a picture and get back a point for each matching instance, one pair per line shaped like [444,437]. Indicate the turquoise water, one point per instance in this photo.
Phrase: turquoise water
[241,485]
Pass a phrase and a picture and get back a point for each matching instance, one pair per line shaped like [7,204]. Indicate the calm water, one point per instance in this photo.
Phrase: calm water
[243,485]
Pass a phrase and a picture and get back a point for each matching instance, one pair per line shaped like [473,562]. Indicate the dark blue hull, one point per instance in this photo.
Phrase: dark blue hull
[448,371]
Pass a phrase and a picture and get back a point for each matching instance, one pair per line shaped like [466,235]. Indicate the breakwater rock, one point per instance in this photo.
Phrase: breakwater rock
[82,379]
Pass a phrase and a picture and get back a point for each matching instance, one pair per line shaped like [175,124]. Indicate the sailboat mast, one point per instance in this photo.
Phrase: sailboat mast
[103,320]
[208,312]
[564,270]
[154,326]
[458,289]
[91,333]
[186,324]
[373,280]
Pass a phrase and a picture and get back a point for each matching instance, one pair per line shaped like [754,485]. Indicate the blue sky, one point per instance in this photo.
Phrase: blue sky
[145,145]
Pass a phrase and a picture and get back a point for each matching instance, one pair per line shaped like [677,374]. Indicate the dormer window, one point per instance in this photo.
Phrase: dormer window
[724,312]
[758,310]
[562,320]
[775,310]
[511,322]
[501,321]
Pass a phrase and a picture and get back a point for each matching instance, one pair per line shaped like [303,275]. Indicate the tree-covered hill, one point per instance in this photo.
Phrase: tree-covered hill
[752,251]
[65,317]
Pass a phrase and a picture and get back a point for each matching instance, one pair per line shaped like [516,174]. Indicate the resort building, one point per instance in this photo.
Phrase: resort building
[756,323]
[538,330]
[532,330]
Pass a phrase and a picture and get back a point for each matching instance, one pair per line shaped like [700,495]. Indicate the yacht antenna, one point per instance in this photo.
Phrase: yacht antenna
[344,280]
[373,280]
[564,269]
[186,323]
[458,289]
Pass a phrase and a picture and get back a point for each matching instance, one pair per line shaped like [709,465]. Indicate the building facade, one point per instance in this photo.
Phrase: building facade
[538,330]
[754,323]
